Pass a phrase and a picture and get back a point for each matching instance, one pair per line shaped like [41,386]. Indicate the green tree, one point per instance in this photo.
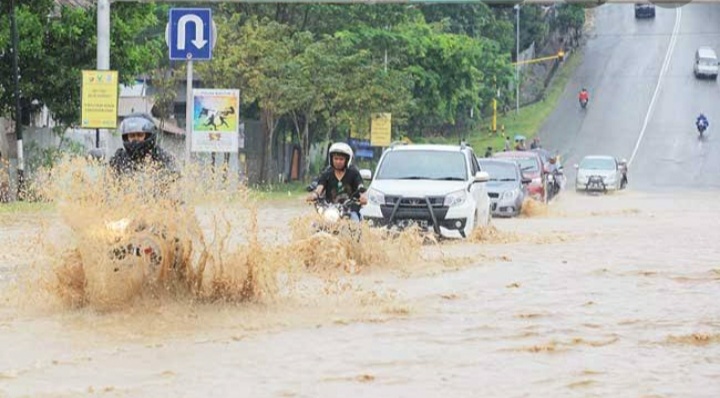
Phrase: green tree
[57,43]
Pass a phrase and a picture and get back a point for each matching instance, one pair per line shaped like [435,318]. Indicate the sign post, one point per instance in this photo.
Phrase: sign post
[381,129]
[215,120]
[190,35]
[99,106]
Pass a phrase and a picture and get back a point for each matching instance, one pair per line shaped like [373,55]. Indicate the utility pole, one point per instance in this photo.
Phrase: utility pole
[517,58]
[103,45]
[18,109]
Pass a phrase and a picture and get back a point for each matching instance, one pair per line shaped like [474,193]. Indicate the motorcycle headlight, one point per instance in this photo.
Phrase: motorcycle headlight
[510,194]
[376,197]
[331,214]
[118,226]
[456,198]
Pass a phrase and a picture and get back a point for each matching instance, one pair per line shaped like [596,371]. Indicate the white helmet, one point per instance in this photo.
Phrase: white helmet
[343,149]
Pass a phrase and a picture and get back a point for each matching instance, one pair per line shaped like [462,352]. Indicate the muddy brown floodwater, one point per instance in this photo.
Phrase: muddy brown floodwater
[607,296]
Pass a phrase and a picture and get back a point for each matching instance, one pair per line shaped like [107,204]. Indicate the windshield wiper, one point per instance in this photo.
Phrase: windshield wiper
[507,179]
[449,179]
[413,178]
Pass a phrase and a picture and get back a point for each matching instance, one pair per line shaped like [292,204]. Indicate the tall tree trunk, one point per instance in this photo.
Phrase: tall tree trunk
[269,125]
[306,148]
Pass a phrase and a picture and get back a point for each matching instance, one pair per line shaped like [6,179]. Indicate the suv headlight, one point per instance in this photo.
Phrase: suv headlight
[376,197]
[510,194]
[455,198]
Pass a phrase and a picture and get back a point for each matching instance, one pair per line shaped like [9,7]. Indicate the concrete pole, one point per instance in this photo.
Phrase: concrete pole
[517,59]
[103,35]
[103,48]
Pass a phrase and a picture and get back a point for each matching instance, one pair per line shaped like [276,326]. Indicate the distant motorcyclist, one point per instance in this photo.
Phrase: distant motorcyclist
[583,97]
[702,123]
[553,168]
[341,179]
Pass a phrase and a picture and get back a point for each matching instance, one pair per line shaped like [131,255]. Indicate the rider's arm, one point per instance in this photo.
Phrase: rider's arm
[322,182]
[358,183]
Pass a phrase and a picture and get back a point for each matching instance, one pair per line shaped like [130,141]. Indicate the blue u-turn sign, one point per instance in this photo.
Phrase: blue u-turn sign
[190,34]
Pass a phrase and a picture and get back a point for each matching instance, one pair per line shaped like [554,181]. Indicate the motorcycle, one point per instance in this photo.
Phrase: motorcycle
[583,103]
[116,260]
[701,127]
[553,184]
[336,217]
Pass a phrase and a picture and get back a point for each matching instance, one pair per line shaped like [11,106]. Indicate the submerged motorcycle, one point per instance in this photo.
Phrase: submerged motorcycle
[115,261]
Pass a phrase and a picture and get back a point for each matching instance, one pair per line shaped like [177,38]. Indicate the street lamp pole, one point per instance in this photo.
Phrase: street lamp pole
[517,58]
[18,111]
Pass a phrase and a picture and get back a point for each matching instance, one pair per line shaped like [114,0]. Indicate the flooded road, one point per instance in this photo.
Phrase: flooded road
[595,296]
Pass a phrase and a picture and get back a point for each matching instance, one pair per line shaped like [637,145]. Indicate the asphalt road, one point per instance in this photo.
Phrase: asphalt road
[644,98]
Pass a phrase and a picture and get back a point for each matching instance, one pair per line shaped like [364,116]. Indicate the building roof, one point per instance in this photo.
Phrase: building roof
[75,3]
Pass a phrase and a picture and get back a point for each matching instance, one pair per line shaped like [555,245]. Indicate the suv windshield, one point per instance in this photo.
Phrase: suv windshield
[423,165]
[499,171]
[597,164]
[708,61]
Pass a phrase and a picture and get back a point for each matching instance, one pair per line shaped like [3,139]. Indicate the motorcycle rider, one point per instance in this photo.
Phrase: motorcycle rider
[139,137]
[341,178]
[702,123]
[140,152]
[554,169]
[583,96]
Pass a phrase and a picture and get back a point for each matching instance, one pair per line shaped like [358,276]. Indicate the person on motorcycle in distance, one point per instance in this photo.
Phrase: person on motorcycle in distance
[554,169]
[584,96]
[702,122]
[342,178]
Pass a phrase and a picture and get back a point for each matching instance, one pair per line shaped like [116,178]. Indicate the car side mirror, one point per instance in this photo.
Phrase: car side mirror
[366,174]
[482,176]
[526,180]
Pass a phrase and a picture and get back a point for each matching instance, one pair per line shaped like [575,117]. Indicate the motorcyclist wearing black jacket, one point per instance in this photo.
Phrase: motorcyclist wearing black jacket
[139,136]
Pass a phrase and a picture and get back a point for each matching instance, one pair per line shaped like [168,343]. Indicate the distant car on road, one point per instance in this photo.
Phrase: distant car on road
[601,173]
[644,10]
[706,63]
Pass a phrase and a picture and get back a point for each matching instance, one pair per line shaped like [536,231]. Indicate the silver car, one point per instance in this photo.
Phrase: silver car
[506,188]
[601,173]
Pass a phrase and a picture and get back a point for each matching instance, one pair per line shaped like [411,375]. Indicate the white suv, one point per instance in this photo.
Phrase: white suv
[438,187]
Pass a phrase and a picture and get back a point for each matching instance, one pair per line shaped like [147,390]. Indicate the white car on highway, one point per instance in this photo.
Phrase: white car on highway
[600,173]
[440,188]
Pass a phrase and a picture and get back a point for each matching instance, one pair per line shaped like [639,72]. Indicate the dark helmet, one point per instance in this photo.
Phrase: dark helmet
[138,123]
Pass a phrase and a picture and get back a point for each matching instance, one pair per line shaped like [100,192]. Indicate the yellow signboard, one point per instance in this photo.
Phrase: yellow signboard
[380,129]
[99,99]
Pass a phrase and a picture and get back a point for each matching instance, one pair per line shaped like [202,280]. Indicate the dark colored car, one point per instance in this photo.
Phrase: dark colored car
[644,10]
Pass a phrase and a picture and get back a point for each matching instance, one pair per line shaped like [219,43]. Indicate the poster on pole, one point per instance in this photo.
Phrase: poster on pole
[99,107]
[380,129]
[215,126]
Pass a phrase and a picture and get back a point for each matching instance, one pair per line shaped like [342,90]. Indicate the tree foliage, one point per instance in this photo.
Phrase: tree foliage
[57,43]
